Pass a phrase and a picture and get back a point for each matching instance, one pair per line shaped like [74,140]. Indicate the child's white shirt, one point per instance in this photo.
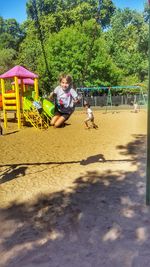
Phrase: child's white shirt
[89,113]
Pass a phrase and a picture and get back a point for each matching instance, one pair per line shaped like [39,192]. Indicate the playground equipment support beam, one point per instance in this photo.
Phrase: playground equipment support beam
[4,110]
[18,102]
[36,88]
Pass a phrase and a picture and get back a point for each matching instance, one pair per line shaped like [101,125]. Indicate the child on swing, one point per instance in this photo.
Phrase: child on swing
[65,99]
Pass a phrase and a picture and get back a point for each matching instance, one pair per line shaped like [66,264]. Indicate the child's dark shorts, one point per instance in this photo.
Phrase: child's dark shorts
[65,115]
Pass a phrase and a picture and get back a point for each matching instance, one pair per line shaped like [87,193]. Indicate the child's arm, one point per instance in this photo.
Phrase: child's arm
[76,100]
[52,96]
[75,96]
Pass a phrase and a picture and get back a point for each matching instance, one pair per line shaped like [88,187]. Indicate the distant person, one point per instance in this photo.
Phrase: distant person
[90,117]
[135,107]
[65,100]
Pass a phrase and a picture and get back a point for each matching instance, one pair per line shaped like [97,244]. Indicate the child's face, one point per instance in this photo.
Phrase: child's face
[64,84]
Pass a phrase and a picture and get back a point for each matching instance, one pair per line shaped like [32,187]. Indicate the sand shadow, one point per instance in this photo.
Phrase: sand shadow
[17,170]
[101,221]
[93,159]
[132,149]
[10,133]
[13,172]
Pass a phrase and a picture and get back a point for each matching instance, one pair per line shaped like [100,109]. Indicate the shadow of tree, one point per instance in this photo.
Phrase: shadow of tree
[100,221]
[133,147]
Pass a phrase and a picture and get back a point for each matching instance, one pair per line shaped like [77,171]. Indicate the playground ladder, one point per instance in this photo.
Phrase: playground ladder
[32,115]
[35,119]
[9,104]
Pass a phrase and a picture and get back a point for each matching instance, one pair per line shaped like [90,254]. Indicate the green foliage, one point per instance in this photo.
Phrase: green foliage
[67,13]
[29,49]
[80,50]
[128,46]
[11,34]
[6,59]
[105,47]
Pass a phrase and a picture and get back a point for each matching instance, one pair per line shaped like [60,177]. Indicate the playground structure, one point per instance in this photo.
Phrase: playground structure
[1,104]
[111,96]
[20,99]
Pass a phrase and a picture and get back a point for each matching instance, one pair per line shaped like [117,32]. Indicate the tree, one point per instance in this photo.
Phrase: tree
[7,57]
[30,48]
[127,45]
[11,34]
[74,50]
[39,33]
[68,12]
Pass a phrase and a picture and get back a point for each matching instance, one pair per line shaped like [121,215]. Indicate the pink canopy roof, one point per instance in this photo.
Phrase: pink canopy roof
[27,81]
[20,72]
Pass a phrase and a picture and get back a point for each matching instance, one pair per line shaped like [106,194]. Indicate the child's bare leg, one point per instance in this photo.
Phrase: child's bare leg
[54,119]
[94,125]
[60,121]
[86,123]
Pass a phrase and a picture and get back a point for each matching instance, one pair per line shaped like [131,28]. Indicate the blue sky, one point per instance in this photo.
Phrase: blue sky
[133,4]
[17,8]
[13,9]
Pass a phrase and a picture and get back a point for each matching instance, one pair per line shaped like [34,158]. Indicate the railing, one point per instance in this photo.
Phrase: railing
[116,100]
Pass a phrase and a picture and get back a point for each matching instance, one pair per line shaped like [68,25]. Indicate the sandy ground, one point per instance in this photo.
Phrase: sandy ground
[72,197]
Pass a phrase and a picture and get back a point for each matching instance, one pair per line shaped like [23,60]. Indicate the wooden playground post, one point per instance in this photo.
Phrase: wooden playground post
[4,110]
[36,88]
[21,94]
[18,102]
[23,87]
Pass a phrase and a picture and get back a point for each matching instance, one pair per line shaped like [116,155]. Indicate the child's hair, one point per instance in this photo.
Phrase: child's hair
[67,77]
[86,104]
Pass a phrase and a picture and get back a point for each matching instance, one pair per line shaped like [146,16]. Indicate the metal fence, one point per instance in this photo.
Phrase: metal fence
[113,100]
